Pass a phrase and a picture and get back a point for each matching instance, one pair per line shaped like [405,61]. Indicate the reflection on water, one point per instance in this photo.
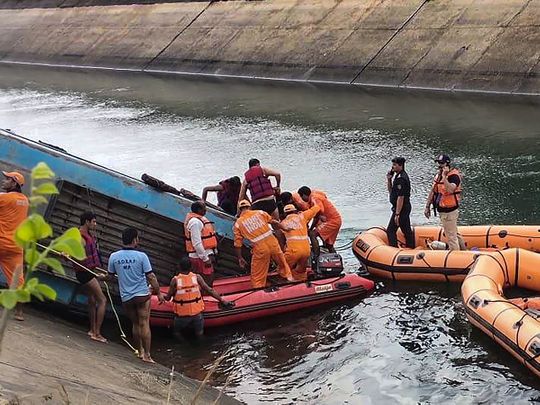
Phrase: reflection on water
[406,343]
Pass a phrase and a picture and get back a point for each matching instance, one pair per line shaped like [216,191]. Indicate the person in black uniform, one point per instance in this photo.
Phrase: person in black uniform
[399,188]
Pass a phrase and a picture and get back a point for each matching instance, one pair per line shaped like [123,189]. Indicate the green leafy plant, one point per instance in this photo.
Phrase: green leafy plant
[28,236]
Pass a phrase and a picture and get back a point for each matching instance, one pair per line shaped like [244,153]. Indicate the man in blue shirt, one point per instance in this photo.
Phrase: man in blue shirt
[134,274]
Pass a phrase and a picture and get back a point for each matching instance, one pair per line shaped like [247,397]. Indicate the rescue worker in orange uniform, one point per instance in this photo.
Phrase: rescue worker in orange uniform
[445,196]
[185,290]
[295,228]
[13,211]
[328,222]
[201,241]
[255,227]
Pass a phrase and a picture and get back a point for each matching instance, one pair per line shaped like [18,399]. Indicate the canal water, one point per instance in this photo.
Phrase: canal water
[406,343]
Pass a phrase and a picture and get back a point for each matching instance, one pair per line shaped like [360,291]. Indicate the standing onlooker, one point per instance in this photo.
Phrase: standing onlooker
[201,241]
[445,196]
[228,191]
[399,188]
[13,211]
[96,299]
[134,274]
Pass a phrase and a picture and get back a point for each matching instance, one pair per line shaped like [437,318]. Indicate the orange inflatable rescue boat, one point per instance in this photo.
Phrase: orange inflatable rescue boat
[513,323]
[253,303]
[423,264]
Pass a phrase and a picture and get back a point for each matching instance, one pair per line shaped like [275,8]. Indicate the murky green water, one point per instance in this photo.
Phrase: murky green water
[404,344]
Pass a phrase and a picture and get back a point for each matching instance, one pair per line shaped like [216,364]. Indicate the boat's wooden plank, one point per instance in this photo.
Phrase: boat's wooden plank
[161,238]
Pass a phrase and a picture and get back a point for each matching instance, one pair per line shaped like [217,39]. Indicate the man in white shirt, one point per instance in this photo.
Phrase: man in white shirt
[201,241]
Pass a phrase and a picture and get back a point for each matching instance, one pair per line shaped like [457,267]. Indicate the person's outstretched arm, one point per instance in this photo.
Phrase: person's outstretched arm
[275,174]
[207,189]
[210,290]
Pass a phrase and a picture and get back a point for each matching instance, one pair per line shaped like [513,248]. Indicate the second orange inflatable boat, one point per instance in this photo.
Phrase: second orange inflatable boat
[381,260]
[513,323]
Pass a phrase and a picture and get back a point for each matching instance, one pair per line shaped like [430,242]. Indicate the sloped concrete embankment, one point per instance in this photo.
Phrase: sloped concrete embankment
[470,45]
[46,360]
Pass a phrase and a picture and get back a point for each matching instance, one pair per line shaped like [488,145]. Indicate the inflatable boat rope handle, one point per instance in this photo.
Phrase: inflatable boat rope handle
[421,256]
[516,325]
[474,261]
[243,296]
[519,236]
[508,302]
[122,333]
[503,234]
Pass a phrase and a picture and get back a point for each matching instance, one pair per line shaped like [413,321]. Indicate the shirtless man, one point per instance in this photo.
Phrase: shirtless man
[134,274]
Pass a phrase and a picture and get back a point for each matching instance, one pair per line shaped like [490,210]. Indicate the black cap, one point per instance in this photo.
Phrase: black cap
[399,160]
[443,159]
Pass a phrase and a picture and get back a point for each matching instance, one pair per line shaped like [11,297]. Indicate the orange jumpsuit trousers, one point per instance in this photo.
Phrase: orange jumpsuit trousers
[262,252]
[297,256]
[9,261]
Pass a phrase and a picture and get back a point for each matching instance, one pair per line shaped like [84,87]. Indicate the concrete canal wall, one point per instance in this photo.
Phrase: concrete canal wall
[478,45]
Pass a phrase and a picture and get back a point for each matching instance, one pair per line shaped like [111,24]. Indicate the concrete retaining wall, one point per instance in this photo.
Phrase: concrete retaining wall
[482,45]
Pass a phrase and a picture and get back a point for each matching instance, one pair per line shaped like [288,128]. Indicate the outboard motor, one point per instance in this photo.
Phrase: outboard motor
[328,265]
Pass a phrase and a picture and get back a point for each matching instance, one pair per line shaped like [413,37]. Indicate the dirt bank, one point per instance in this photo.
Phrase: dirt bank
[47,360]
[454,45]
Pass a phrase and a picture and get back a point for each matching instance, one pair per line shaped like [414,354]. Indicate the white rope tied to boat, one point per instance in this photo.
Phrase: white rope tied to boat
[122,333]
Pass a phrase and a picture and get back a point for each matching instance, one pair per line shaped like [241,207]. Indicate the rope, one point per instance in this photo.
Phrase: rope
[497,234]
[426,262]
[522,236]
[122,333]
[506,302]
[344,247]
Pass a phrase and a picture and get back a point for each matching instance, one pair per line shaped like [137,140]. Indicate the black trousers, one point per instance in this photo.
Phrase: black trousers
[404,225]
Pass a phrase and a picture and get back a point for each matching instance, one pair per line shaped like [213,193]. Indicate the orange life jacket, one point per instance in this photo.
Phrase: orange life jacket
[187,300]
[208,233]
[442,198]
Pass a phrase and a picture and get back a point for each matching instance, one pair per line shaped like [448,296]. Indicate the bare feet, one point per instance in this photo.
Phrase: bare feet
[18,313]
[147,359]
[90,333]
[98,338]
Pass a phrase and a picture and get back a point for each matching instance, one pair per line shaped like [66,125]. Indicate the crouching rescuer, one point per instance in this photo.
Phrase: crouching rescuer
[185,290]
[295,228]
